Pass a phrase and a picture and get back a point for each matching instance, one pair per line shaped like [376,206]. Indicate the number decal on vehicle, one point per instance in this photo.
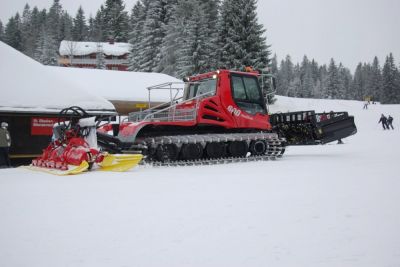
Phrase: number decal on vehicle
[234,111]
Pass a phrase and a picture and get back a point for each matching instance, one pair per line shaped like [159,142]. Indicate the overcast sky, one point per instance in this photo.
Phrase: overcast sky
[348,30]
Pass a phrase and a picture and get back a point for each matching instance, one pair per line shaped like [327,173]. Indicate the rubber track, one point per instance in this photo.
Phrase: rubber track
[276,147]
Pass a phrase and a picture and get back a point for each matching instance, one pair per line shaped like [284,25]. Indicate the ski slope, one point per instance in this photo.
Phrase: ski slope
[331,205]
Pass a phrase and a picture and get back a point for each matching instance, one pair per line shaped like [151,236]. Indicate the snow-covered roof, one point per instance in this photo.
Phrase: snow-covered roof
[28,86]
[119,85]
[86,48]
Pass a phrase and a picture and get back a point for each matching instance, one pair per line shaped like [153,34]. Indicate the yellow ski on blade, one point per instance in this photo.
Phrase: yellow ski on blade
[72,170]
[120,162]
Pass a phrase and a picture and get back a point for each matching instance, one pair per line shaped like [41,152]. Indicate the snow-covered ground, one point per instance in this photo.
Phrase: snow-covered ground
[332,205]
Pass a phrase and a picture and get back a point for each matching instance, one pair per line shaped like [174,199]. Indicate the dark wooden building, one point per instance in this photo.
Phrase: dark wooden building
[31,132]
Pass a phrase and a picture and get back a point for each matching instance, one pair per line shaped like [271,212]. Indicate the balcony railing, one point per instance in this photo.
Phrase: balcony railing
[171,113]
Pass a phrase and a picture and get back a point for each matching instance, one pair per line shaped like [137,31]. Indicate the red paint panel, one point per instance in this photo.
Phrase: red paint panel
[42,126]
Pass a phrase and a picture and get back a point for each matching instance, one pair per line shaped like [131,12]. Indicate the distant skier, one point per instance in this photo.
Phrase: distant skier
[384,122]
[366,105]
[390,122]
[5,143]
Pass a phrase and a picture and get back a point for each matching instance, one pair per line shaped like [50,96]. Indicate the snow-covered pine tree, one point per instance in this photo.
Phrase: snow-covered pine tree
[357,87]
[116,20]
[307,85]
[225,42]
[13,35]
[46,51]
[323,78]
[274,65]
[137,13]
[169,8]
[163,58]
[241,38]
[294,87]
[66,26]
[153,34]
[366,74]
[317,89]
[398,85]
[38,20]
[193,52]
[171,41]
[210,10]
[42,18]
[1,32]
[376,80]
[305,78]
[391,90]
[99,34]
[303,67]
[285,76]
[80,28]
[333,85]
[345,79]
[295,83]
[137,20]
[281,84]
[189,46]
[54,22]
[315,70]
[91,29]
[27,37]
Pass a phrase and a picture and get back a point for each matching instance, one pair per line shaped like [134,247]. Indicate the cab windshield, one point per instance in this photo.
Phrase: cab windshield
[200,88]
[247,94]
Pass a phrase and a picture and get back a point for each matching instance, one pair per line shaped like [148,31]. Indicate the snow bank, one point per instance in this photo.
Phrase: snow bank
[287,104]
[119,85]
[86,48]
[27,86]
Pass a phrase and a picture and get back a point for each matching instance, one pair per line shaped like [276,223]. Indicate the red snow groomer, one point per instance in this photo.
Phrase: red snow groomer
[74,148]
[221,117]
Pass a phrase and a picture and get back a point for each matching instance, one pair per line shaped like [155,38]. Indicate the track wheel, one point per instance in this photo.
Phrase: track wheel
[167,152]
[191,151]
[238,148]
[258,147]
[283,145]
[216,150]
[272,149]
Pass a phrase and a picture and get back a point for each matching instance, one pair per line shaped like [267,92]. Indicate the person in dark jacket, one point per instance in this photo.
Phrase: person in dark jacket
[384,122]
[5,143]
[390,122]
